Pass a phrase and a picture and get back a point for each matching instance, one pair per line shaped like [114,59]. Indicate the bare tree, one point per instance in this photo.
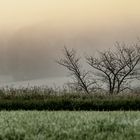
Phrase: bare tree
[117,68]
[72,63]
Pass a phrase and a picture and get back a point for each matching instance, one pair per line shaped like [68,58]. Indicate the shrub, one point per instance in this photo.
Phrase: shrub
[42,99]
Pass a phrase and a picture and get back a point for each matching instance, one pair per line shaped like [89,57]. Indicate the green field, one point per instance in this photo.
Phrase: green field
[63,125]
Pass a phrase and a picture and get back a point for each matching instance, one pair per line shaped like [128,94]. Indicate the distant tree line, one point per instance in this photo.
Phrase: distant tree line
[116,68]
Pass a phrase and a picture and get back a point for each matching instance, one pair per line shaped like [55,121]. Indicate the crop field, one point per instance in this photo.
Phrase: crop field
[69,125]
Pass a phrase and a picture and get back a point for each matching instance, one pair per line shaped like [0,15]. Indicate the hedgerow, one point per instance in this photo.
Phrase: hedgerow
[70,104]
[42,99]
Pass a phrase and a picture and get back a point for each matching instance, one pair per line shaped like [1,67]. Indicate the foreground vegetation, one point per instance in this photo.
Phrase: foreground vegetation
[35,125]
[38,98]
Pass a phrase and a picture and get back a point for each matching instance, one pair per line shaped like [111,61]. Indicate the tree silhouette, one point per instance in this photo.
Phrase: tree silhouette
[72,63]
[118,67]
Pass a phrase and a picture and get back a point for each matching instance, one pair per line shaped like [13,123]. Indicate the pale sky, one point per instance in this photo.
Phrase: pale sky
[69,13]
[33,32]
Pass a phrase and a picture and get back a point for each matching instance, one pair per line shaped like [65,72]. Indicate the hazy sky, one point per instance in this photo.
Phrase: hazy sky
[69,13]
[33,32]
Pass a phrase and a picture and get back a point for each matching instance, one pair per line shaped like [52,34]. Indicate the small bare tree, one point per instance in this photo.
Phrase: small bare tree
[118,67]
[72,63]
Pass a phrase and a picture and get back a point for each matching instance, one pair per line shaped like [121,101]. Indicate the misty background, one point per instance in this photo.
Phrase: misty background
[33,34]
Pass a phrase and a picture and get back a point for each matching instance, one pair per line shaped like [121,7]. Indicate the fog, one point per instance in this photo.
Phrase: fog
[30,53]
[30,44]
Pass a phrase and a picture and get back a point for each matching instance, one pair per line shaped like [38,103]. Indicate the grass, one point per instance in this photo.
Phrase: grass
[65,125]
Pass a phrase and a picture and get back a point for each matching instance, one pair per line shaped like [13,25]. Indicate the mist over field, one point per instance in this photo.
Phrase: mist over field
[33,33]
